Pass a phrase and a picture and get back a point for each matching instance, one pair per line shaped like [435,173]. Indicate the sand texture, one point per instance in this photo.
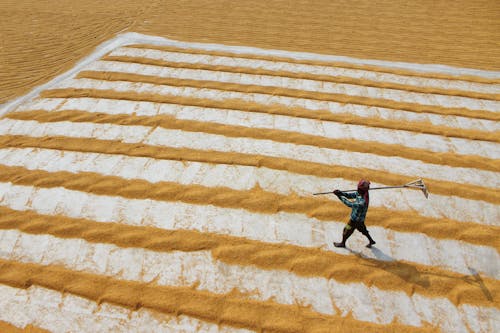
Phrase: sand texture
[41,39]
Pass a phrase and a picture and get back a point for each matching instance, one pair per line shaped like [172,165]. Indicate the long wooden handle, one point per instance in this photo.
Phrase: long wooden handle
[322,193]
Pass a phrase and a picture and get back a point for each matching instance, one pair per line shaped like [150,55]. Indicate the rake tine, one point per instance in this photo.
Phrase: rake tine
[419,183]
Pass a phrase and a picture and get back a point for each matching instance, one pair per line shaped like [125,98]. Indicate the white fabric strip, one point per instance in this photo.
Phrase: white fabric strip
[352,159]
[292,83]
[131,38]
[236,61]
[241,178]
[131,134]
[295,229]
[290,228]
[134,38]
[236,117]
[182,269]
[329,129]
[441,205]
[61,313]
[214,142]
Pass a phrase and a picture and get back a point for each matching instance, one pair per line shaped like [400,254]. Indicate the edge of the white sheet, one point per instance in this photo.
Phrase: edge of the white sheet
[134,38]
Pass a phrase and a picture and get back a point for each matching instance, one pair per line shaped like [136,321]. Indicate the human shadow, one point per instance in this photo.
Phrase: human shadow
[404,271]
[481,284]
[411,274]
[380,255]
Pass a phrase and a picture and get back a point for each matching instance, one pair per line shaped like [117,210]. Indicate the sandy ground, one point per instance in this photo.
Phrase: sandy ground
[40,39]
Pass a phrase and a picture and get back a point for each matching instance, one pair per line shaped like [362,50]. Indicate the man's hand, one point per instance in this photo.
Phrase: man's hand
[338,193]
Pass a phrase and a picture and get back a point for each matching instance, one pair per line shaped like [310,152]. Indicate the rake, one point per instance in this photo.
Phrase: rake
[419,183]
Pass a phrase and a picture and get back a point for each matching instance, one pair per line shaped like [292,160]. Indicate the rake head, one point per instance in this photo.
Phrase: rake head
[419,183]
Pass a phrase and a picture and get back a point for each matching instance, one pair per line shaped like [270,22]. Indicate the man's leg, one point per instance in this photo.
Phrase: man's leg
[364,231]
[348,230]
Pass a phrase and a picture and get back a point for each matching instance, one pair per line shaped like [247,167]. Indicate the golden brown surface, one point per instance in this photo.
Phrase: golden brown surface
[254,200]
[227,309]
[41,39]
[45,38]
[310,76]
[288,92]
[8,328]
[402,276]
[446,158]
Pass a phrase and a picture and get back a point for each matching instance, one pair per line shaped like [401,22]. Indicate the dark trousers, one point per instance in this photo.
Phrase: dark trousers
[353,225]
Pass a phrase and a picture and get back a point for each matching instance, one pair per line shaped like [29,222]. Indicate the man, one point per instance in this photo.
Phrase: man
[359,208]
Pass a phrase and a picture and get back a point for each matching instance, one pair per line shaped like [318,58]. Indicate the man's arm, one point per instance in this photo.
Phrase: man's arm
[347,202]
[343,197]
[359,201]
[349,195]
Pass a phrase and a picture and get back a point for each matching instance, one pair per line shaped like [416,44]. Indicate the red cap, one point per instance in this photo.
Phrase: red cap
[363,185]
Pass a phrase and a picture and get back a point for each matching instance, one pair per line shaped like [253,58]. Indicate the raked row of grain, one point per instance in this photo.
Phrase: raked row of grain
[170,189]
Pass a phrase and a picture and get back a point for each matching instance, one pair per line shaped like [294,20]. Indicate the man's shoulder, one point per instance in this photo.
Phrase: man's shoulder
[360,198]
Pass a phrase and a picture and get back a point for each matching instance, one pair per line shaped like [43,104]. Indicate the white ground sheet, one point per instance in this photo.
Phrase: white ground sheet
[235,61]
[300,84]
[182,269]
[242,178]
[289,228]
[64,312]
[333,130]
[60,313]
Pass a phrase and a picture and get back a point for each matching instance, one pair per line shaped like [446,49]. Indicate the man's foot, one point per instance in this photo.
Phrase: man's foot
[339,244]
[369,245]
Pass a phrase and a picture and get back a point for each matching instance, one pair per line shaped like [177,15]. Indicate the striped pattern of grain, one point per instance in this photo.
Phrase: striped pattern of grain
[170,189]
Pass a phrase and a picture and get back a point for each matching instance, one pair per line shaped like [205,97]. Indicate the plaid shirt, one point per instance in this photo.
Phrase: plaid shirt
[358,205]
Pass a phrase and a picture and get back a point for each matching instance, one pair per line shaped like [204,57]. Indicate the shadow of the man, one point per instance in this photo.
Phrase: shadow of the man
[405,271]
[410,273]
[380,255]
[481,284]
